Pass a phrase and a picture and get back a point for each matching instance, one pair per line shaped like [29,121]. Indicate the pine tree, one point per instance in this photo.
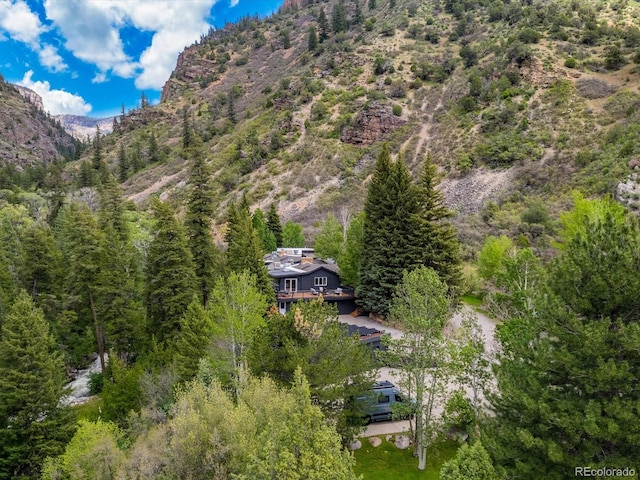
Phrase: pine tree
[169,273]
[339,18]
[273,222]
[358,17]
[286,40]
[437,240]
[153,150]
[116,289]
[86,176]
[200,210]
[123,164]
[97,158]
[323,25]
[372,5]
[186,130]
[83,248]
[193,339]
[568,368]
[266,236]
[244,251]
[312,39]
[391,210]
[41,267]
[33,425]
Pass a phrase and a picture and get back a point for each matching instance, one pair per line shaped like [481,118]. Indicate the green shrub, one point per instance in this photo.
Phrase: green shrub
[570,62]
[397,110]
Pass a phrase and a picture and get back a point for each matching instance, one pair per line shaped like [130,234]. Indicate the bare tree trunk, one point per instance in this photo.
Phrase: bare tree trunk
[99,336]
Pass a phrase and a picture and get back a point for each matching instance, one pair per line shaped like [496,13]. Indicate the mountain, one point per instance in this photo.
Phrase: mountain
[518,103]
[85,127]
[29,136]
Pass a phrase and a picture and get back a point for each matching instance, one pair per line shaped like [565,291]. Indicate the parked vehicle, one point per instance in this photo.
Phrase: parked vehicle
[381,401]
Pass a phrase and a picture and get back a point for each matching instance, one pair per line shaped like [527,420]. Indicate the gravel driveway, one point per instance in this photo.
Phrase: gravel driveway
[488,329]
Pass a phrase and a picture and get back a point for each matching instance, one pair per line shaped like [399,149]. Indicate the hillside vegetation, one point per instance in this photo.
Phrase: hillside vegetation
[517,102]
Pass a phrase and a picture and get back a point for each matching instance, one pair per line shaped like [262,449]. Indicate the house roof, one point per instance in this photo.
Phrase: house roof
[289,265]
[300,270]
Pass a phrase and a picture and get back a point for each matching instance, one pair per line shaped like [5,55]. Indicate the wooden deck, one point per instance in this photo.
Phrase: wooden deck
[346,294]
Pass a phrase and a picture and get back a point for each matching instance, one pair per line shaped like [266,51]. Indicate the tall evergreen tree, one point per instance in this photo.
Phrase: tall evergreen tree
[33,425]
[312,41]
[339,18]
[200,210]
[358,17]
[437,240]
[391,210]
[569,366]
[273,222]
[187,133]
[83,248]
[193,339]
[266,236]
[123,164]
[323,25]
[244,251]
[97,158]
[153,150]
[117,291]
[169,273]
[86,175]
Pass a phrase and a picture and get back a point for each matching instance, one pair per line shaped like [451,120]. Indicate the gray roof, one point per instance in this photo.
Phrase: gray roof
[299,269]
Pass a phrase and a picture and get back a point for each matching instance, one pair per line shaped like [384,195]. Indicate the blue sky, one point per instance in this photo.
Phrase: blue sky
[87,57]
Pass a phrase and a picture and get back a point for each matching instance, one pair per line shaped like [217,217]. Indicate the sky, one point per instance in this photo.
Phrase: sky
[88,57]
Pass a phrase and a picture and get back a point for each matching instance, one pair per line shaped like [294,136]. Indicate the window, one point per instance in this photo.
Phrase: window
[320,282]
[283,306]
[383,399]
[399,398]
[291,284]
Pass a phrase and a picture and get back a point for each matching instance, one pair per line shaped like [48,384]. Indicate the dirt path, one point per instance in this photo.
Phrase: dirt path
[141,196]
[427,111]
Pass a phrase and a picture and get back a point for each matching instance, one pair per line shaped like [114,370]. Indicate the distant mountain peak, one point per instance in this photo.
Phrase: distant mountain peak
[83,127]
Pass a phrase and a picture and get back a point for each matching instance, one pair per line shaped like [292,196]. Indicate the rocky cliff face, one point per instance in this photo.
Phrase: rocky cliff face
[371,125]
[30,96]
[30,136]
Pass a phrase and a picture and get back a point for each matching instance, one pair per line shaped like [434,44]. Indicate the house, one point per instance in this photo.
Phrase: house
[297,275]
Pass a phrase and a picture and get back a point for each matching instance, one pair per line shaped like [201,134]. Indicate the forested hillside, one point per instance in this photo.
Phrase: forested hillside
[436,152]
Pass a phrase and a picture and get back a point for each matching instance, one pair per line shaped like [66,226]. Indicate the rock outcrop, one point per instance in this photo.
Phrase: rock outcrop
[371,125]
[30,96]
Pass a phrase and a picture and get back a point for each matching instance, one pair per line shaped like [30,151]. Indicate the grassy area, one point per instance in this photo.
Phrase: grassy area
[474,301]
[90,411]
[387,462]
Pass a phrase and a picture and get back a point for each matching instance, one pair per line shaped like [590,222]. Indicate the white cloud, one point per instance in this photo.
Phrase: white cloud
[233,3]
[92,33]
[56,101]
[19,22]
[50,58]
